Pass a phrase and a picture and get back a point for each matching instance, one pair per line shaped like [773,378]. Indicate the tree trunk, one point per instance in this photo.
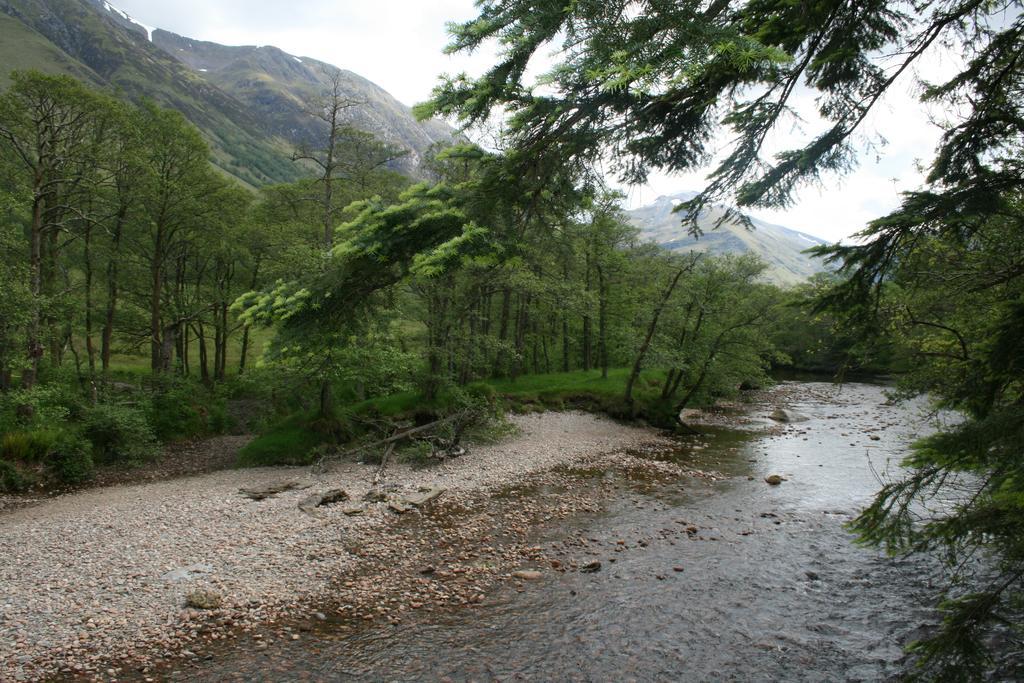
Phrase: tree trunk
[651,328]
[49,289]
[218,343]
[204,358]
[522,319]
[588,360]
[90,348]
[222,370]
[696,385]
[112,291]
[156,283]
[35,262]
[245,331]
[602,322]
[186,356]
[169,339]
[676,382]
[668,382]
[244,350]
[506,305]
[326,399]
[181,349]
[565,342]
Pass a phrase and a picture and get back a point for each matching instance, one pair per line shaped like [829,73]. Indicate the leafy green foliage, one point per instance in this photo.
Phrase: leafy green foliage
[70,460]
[654,83]
[179,409]
[12,480]
[118,433]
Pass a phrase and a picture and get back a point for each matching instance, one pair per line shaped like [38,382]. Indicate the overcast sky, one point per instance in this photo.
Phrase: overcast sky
[398,45]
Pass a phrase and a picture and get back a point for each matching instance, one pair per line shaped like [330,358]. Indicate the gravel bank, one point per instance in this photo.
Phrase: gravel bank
[106,571]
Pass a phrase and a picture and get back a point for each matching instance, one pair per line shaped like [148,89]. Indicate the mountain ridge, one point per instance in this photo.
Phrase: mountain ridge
[779,246]
[252,116]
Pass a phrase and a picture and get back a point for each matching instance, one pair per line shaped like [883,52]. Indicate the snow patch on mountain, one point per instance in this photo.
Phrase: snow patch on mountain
[127,17]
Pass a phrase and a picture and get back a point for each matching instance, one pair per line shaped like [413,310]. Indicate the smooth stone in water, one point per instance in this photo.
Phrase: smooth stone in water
[783,415]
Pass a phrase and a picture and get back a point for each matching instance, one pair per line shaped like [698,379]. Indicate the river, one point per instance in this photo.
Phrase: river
[730,579]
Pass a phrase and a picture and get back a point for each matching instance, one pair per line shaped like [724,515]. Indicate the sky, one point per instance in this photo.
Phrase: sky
[398,44]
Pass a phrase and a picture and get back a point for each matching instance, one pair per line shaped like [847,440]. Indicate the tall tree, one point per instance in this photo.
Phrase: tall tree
[330,107]
[178,200]
[49,125]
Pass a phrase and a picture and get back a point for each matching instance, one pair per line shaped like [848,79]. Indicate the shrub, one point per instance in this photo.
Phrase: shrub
[11,478]
[118,433]
[39,406]
[217,419]
[70,461]
[181,408]
[27,446]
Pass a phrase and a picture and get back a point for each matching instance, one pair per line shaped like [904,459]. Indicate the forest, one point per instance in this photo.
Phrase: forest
[149,299]
[144,289]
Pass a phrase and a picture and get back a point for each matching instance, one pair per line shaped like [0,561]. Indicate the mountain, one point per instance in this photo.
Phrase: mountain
[247,100]
[275,86]
[780,247]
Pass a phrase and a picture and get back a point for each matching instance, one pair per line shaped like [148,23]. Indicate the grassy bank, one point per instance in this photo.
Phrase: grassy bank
[294,440]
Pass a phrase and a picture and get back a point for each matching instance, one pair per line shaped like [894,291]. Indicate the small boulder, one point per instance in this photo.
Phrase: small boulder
[398,506]
[203,599]
[316,500]
[688,415]
[774,479]
[591,567]
[421,498]
[375,496]
[527,574]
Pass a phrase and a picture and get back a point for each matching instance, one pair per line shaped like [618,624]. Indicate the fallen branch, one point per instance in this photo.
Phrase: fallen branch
[393,439]
[383,464]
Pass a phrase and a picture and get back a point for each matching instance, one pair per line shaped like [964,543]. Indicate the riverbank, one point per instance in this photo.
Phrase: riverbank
[95,583]
[686,565]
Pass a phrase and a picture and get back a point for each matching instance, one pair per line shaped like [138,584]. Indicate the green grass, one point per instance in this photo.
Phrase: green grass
[138,365]
[290,442]
[566,383]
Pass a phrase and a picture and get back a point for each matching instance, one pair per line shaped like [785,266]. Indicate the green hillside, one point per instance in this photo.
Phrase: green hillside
[24,48]
[125,61]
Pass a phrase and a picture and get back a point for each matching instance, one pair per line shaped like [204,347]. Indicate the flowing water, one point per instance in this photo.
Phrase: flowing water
[766,586]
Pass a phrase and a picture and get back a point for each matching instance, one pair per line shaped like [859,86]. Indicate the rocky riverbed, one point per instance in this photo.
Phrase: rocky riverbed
[661,564]
[112,581]
[579,549]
